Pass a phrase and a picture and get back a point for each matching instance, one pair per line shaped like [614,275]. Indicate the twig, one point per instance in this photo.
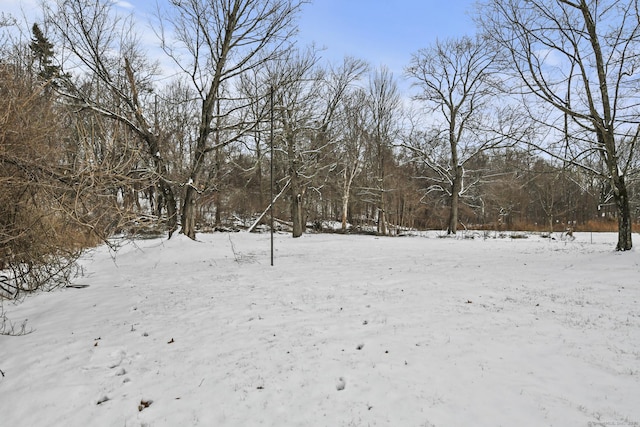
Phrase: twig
[233,249]
[7,327]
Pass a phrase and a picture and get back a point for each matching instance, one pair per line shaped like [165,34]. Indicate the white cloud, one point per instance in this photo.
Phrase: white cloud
[124,4]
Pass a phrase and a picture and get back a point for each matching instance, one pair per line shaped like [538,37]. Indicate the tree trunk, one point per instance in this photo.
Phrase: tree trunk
[217,203]
[456,188]
[189,204]
[621,199]
[297,211]
[169,201]
[453,214]
[382,218]
[345,207]
[346,192]
[166,192]
[606,139]
[189,212]
[297,187]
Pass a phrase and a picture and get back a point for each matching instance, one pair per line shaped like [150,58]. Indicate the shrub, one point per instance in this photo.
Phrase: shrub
[51,206]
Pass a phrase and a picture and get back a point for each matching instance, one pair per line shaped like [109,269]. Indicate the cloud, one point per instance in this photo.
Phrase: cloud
[124,4]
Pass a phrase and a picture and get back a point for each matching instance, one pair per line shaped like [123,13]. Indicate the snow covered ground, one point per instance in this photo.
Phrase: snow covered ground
[342,331]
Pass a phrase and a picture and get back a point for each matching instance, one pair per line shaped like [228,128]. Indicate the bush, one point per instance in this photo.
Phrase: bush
[51,206]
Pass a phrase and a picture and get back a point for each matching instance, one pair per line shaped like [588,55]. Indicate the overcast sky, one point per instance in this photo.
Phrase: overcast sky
[382,32]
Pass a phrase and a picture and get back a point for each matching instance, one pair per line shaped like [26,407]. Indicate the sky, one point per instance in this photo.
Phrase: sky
[382,32]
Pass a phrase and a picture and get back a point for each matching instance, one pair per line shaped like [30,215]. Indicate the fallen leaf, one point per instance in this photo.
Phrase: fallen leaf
[144,404]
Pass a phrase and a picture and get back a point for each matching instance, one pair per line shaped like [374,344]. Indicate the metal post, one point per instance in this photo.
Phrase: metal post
[271,185]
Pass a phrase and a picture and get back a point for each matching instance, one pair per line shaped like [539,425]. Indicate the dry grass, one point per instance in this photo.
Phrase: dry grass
[600,225]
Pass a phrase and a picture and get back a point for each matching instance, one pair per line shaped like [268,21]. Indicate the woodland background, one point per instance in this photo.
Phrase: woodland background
[519,128]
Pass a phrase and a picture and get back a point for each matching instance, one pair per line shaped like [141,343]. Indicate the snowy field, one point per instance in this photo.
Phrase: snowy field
[342,331]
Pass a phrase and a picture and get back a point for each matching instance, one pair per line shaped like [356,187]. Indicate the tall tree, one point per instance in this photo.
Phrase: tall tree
[355,135]
[456,83]
[118,77]
[308,98]
[339,97]
[579,57]
[383,104]
[213,42]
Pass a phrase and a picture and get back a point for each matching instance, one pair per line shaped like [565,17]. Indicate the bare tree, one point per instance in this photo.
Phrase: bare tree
[213,42]
[339,96]
[457,86]
[308,99]
[253,159]
[383,104]
[355,135]
[580,58]
[113,77]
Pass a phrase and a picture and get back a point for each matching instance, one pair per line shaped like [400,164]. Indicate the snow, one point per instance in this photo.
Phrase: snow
[342,331]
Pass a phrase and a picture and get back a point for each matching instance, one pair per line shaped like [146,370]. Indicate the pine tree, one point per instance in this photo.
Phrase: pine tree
[42,50]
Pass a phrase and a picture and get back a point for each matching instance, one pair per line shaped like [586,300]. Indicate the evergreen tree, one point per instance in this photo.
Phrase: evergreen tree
[42,50]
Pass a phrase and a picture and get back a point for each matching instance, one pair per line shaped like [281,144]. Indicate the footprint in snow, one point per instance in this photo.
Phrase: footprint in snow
[341,384]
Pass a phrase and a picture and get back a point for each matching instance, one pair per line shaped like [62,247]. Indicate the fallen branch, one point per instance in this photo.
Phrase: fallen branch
[255,224]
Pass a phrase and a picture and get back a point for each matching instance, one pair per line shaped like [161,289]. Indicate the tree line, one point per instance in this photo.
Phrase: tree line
[531,124]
